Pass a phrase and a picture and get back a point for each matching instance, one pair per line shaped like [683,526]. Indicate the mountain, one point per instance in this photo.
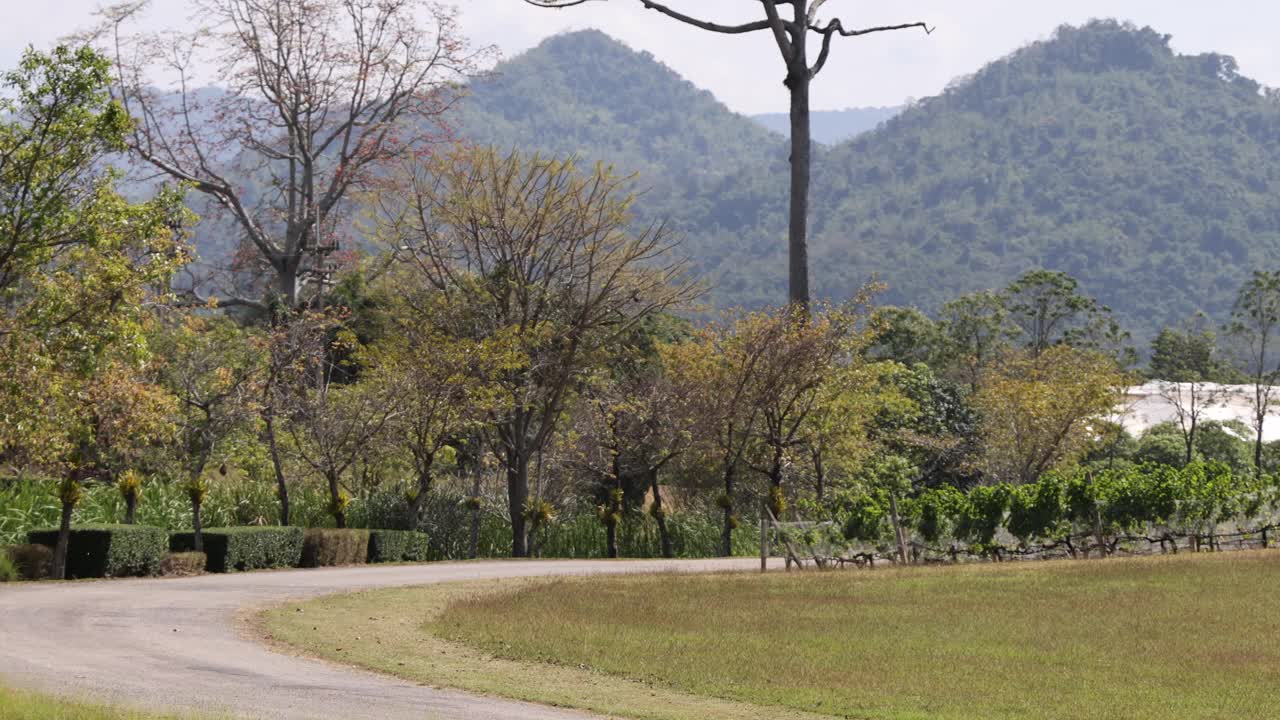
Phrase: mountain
[831,127]
[1153,177]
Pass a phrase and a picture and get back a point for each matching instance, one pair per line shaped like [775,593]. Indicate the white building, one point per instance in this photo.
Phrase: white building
[1157,402]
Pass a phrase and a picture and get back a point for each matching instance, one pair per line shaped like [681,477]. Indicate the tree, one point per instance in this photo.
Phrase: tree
[1049,309]
[446,383]
[332,424]
[321,95]
[976,328]
[77,264]
[797,365]
[1255,320]
[791,35]
[1035,408]
[541,253]
[1190,351]
[718,370]
[212,367]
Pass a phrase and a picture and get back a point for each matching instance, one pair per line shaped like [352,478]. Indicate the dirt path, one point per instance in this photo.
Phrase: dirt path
[176,644]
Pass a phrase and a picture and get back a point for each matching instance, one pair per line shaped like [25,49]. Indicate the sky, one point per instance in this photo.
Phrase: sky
[745,71]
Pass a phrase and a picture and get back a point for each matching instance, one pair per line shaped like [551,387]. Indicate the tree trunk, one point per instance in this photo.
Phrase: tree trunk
[517,495]
[59,570]
[420,498]
[898,534]
[287,276]
[282,488]
[335,497]
[1097,534]
[1191,442]
[660,514]
[474,548]
[614,508]
[726,534]
[1257,453]
[197,523]
[130,507]
[819,474]
[797,82]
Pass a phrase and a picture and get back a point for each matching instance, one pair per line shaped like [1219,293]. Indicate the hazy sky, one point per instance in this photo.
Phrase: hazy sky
[745,71]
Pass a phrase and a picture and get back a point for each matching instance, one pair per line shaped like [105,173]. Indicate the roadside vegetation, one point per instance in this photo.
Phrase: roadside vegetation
[22,705]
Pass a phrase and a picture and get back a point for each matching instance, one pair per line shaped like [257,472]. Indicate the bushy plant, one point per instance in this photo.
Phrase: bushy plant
[8,570]
[397,546]
[33,562]
[109,550]
[183,564]
[245,548]
[325,547]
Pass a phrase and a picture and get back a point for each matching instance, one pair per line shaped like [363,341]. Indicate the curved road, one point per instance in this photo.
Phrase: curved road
[176,644]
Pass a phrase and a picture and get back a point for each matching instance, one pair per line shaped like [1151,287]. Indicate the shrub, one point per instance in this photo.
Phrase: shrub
[8,571]
[183,563]
[245,548]
[397,546]
[32,562]
[109,550]
[324,547]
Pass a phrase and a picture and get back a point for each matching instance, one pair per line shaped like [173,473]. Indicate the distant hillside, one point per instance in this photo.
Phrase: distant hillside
[1152,177]
[831,127]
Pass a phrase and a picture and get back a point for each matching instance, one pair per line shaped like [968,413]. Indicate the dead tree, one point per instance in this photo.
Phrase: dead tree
[791,35]
[317,96]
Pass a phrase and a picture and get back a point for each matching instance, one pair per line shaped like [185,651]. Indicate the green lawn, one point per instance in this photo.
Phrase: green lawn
[19,705]
[1191,636]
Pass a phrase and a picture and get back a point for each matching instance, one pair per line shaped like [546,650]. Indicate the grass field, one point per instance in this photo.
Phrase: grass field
[1171,637]
[18,705]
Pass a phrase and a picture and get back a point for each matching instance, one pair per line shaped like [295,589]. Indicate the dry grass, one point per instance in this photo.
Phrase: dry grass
[1159,638]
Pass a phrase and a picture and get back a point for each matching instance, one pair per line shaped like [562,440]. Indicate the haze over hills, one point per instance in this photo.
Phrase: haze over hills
[1153,177]
[830,127]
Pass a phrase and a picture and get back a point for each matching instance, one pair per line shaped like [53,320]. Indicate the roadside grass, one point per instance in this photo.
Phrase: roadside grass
[389,631]
[1189,636]
[22,705]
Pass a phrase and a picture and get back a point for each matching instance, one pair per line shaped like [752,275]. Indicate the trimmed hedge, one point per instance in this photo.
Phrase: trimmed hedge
[183,564]
[109,550]
[245,548]
[397,546]
[324,547]
[33,562]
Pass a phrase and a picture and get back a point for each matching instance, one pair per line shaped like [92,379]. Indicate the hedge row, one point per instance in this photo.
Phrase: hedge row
[134,550]
[109,550]
[326,547]
[245,548]
[398,546]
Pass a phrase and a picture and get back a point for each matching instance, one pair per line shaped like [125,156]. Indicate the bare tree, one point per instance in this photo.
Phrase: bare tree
[540,253]
[1190,400]
[317,96]
[1255,322]
[792,36]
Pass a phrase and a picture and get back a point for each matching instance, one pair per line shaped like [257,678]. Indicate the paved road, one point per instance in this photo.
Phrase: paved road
[176,644]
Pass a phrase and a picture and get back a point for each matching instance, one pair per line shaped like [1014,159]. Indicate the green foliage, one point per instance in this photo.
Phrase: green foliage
[398,546]
[8,569]
[245,548]
[326,547]
[109,550]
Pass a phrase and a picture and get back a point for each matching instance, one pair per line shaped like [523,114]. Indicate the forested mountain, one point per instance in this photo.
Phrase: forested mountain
[830,127]
[1153,177]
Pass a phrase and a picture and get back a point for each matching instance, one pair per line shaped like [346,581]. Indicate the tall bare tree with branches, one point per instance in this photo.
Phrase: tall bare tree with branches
[792,36]
[317,96]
